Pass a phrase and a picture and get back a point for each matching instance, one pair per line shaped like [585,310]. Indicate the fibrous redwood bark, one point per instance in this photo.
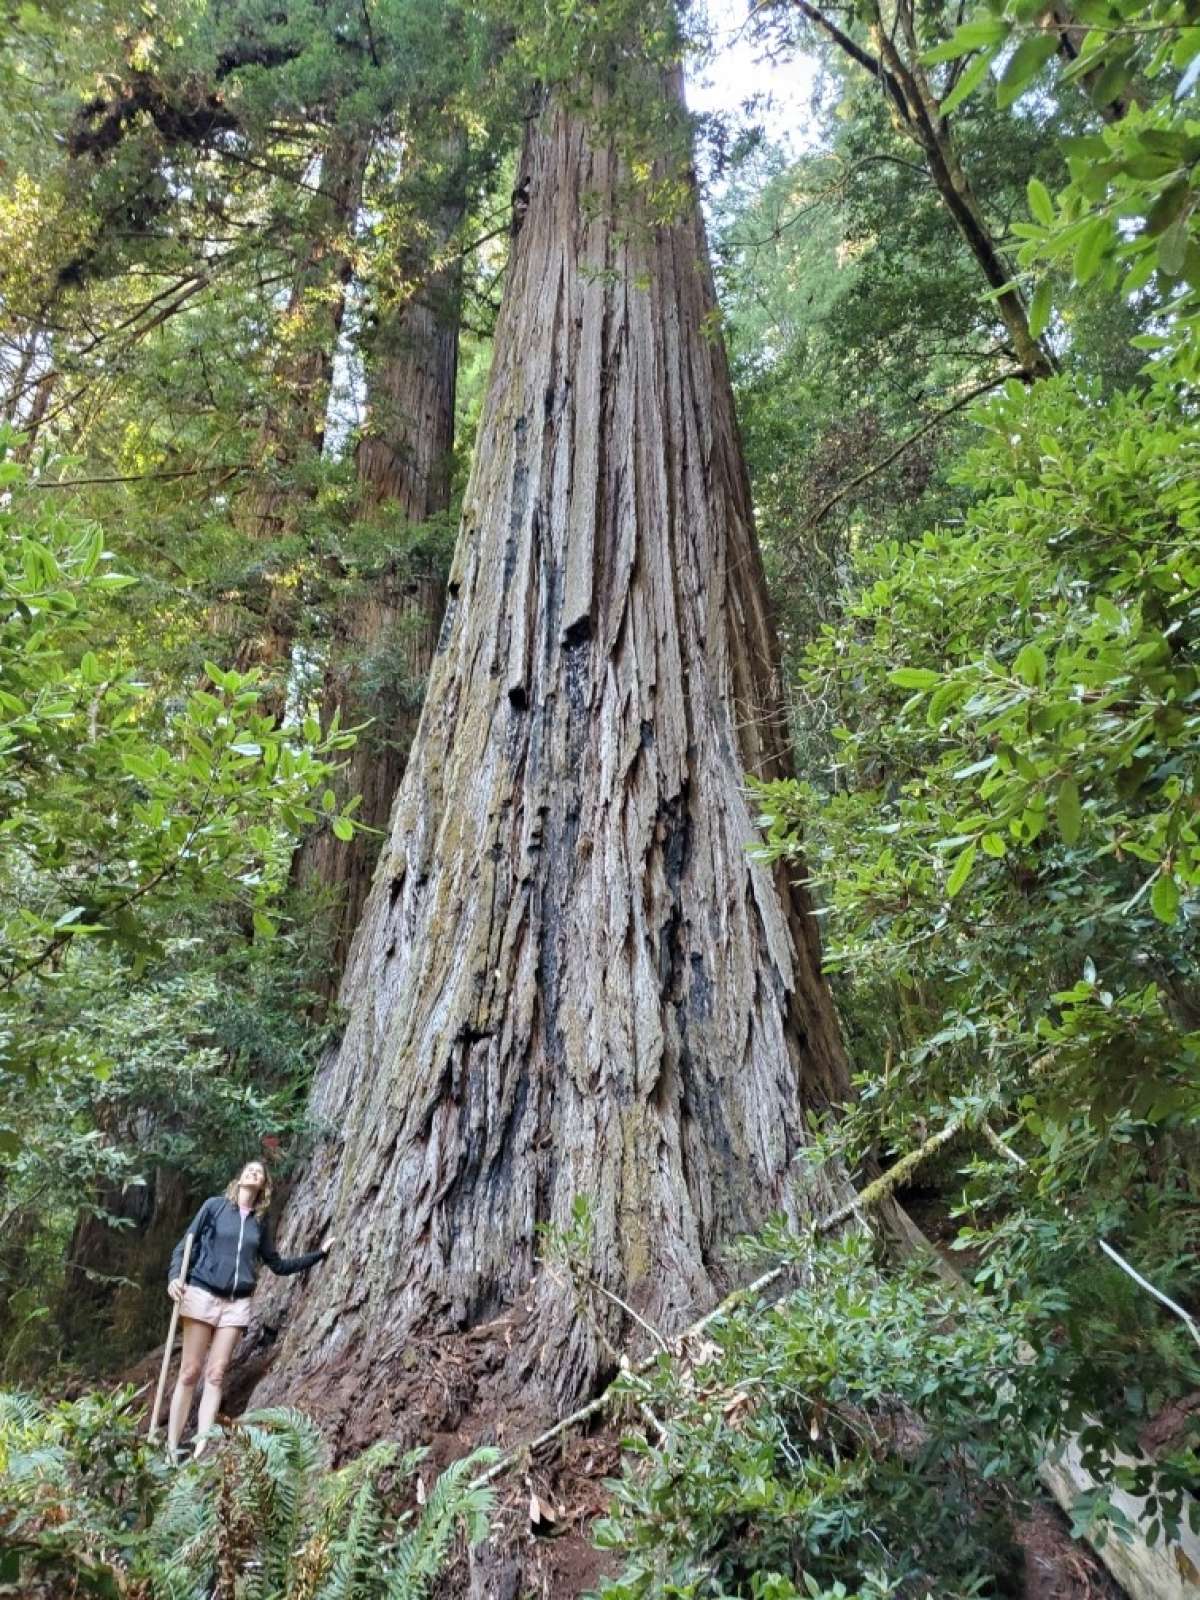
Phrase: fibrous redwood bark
[571,978]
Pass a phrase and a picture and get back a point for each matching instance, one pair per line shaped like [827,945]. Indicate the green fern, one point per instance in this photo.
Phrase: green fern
[184,1532]
[260,1517]
[356,1553]
[418,1557]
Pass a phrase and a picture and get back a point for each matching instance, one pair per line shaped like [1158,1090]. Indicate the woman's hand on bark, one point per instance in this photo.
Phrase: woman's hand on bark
[175,1289]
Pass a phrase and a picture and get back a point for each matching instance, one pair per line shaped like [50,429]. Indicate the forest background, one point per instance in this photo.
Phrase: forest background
[250,267]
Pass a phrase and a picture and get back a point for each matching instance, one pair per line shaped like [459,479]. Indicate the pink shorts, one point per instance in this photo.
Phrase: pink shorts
[202,1306]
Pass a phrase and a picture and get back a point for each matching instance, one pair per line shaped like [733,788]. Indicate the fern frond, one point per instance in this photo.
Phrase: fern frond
[20,1413]
[356,1554]
[181,1542]
[298,1436]
[418,1557]
[337,1489]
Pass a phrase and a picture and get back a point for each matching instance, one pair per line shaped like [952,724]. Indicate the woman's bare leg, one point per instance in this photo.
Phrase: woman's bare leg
[196,1339]
[224,1342]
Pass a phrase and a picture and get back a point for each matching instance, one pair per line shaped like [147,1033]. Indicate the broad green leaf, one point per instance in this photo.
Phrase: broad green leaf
[1041,206]
[960,872]
[1090,251]
[1039,310]
[139,766]
[977,34]
[968,83]
[1070,816]
[1113,80]
[1172,247]
[914,677]
[1027,61]
[1031,665]
[1164,897]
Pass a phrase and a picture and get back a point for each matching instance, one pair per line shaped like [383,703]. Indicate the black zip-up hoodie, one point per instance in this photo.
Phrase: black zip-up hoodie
[227,1248]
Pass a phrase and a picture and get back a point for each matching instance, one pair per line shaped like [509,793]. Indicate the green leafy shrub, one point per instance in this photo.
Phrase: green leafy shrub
[1127,217]
[1010,856]
[868,1435]
[146,837]
[120,805]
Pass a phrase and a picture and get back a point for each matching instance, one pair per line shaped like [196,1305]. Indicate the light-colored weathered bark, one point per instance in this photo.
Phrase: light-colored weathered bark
[1146,1568]
[571,979]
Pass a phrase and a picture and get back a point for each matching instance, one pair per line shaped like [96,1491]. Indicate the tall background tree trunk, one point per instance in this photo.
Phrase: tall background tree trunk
[386,629]
[293,430]
[116,1275]
[571,979]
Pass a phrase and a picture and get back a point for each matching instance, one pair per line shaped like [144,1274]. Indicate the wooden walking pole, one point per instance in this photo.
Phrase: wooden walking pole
[162,1377]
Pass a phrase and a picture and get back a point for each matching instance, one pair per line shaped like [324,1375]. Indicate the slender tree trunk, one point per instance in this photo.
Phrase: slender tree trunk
[28,396]
[571,978]
[32,423]
[920,117]
[917,114]
[22,380]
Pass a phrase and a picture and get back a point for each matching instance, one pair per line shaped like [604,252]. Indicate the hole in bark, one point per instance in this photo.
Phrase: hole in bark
[467,1035]
[394,889]
[647,734]
[579,631]
[447,618]
[517,697]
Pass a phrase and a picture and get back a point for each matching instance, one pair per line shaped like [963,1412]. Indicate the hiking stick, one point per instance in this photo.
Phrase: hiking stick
[162,1377]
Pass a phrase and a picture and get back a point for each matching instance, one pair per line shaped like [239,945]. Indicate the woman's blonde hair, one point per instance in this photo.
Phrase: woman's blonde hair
[264,1194]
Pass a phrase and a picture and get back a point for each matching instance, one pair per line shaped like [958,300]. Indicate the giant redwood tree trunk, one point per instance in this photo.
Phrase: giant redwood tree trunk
[385,631]
[570,978]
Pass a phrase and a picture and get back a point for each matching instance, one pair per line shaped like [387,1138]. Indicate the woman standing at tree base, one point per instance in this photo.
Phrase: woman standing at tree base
[229,1239]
